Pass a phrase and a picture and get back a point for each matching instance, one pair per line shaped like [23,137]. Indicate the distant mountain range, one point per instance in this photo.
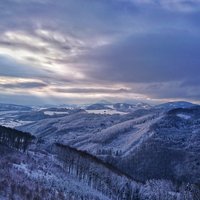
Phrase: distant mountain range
[176,104]
[99,105]
[11,107]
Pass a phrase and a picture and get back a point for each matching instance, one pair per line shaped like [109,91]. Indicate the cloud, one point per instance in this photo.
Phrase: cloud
[172,5]
[181,5]
[148,58]
[115,49]
[92,90]
[12,85]
[11,67]
[42,51]
[23,85]
[169,90]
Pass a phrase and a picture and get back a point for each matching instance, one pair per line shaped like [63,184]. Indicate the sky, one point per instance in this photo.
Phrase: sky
[81,51]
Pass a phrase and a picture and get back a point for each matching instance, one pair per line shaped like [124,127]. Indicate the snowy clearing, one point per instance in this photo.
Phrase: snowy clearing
[183,116]
[15,123]
[51,113]
[106,112]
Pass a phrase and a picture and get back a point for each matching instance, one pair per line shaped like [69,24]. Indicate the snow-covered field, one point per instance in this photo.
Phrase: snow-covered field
[106,112]
[14,123]
[7,112]
[184,116]
[51,113]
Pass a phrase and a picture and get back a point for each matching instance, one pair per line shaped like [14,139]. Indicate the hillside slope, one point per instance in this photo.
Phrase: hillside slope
[171,152]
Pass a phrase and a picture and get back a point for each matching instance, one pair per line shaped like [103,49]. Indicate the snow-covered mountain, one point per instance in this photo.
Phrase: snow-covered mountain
[116,108]
[118,138]
[63,172]
[12,107]
[98,106]
[110,155]
[39,174]
[171,150]
[175,104]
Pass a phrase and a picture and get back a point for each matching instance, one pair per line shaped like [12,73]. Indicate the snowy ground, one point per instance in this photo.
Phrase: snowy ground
[51,113]
[184,116]
[14,123]
[106,112]
[9,119]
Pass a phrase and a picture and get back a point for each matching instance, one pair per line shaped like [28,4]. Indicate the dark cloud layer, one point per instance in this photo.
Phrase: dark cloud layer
[23,85]
[149,58]
[92,90]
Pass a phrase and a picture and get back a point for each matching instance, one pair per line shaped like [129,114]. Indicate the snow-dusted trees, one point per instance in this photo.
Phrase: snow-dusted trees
[97,174]
[158,190]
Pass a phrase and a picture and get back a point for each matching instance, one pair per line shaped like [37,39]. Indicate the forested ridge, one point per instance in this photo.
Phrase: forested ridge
[14,138]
